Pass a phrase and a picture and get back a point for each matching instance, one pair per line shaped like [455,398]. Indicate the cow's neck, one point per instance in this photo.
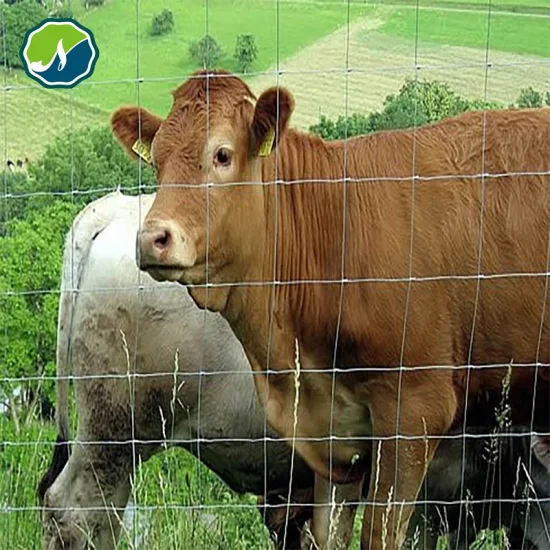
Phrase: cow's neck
[307,246]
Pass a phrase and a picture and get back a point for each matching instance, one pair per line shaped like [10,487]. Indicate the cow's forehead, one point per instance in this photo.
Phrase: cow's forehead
[211,87]
[192,134]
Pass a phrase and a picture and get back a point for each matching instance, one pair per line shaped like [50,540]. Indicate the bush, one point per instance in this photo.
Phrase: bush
[30,268]
[416,103]
[205,52]
[64,12]
[19,185]
[88,161]
[163,23]
[246,51]
[93,3]
[15,21]
[357,125]
[529,98]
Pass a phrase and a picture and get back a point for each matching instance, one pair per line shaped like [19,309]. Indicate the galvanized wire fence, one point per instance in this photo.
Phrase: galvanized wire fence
[146,384]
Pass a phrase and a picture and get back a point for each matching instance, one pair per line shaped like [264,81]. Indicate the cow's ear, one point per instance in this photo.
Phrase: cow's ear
[135,128]
[271,116]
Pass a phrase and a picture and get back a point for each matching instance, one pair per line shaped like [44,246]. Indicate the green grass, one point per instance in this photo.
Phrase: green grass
[174,480]
[515,6]
[21,467]
[508,33]
[115,29]
[35,115]
[30,117]
[483,4]
[169,488]
[168,483]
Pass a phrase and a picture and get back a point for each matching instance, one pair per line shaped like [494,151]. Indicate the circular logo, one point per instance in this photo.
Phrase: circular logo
[59,53]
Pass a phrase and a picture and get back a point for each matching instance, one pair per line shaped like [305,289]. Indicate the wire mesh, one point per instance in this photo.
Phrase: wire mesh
[154,387]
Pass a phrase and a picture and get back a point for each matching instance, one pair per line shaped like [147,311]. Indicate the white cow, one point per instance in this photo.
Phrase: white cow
[119,323]
[136,348]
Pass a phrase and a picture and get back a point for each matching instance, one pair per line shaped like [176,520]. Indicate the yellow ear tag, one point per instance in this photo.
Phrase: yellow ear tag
[143,150]
[267,144]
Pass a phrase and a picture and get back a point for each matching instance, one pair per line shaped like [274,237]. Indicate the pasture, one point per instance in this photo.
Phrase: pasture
[348,67]
[337,58]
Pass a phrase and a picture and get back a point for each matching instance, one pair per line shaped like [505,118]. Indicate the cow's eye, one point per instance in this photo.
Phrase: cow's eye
[223,157]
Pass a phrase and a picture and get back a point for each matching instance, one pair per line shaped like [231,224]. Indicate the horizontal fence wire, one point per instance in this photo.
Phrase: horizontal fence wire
[200,441]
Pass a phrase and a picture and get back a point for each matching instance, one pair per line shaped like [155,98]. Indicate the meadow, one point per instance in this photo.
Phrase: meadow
[129,51]
[295,36]
[502,31]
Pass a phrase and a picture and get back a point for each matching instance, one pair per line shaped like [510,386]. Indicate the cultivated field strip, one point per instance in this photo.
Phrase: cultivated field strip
[378,64]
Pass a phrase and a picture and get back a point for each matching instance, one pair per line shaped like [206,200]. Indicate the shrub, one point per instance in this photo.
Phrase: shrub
[88,161]
[93,3]
[30,266]
[15,21]
[529,97]
[163,23]
[205,52]
[64,12]
[416,103]
[246,51]
[357,125]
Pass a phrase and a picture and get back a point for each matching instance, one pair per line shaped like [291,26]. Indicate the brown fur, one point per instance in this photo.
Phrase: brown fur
[295,232]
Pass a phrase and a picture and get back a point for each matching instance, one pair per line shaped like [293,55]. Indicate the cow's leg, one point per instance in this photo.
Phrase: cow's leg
[333,517]
[85,504]
[426,406]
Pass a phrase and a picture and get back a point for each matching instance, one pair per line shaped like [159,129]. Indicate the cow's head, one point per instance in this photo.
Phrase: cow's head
[213,137]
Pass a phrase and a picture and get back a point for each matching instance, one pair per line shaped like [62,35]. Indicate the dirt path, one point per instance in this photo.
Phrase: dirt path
[324,80]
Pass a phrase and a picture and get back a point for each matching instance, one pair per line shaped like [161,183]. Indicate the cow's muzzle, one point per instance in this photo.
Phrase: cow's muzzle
[163,251]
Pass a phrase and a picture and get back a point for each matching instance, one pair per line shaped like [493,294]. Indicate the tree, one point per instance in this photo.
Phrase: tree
[205,52]
[246,51]
[30,267]
[416,103]
[15,21]
[342,127]
[13,204]
[163,23]
[86,164]
[76,168]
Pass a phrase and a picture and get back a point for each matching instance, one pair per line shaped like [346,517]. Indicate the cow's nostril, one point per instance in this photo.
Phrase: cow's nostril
[162,239]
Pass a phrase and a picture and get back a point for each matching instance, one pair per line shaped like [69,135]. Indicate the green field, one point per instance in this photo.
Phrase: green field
[164,61]
[169,488]
[31,116]
[483,4]
[122,33]
[506,32]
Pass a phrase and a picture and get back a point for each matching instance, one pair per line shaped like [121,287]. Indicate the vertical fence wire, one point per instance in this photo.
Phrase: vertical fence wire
[274,284]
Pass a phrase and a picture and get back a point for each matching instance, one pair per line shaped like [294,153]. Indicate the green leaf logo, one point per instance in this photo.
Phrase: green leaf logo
[59,53]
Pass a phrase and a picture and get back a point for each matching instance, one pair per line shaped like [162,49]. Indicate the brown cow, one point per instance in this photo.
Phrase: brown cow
[363,258]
